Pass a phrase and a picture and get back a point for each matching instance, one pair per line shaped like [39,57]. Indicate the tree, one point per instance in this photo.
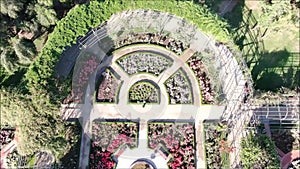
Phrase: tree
[45,16]
[24,49]
[11,8]
[38,123]
[8,60]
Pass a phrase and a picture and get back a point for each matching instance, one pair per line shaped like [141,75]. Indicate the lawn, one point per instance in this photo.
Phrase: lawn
[269,39]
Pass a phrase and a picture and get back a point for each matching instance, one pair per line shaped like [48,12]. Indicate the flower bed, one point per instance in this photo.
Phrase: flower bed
[178,139]
[6,136]
[179,88]
[143,91]
[144,62]
[82,72]
[154,38]
[200,72]
[107,137]
[216,147]
[108,87]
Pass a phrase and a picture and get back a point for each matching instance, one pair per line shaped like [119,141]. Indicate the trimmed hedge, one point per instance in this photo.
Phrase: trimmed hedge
[41,73]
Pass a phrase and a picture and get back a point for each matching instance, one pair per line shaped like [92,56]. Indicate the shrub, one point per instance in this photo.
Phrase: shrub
[258,151]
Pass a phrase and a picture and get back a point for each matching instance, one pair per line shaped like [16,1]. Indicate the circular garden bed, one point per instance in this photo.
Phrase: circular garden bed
[143,164]
[142,92]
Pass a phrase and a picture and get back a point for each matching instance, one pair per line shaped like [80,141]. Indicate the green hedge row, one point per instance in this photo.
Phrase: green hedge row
[81,18]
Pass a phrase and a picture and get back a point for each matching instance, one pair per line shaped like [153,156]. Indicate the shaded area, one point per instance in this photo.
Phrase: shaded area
[71,158]
[276,69]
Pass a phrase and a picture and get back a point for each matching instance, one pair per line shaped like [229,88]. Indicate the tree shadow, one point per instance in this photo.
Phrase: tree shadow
[71,158]
[235,17]
[271,71]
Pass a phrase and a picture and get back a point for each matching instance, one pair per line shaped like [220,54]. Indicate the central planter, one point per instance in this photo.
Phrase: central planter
[143,164]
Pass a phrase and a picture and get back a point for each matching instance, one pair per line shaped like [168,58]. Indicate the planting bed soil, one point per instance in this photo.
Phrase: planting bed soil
[108,88]
[140,62]
[178,139]
[143,91]
[107,138]
[179,88]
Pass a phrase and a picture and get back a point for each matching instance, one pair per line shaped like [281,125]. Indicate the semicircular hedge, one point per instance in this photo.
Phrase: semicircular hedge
[41,73]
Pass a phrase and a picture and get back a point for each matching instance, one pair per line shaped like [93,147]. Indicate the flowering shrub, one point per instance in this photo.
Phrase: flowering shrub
[108,88]
[179,89]
[144,62]
[107,137]
[178,139]
[199,70]
[83,70]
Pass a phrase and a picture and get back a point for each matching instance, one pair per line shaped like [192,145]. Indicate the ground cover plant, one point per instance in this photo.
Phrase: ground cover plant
[216,148]
[153,38]
[179,88]
[143,92]
[198,67]
[107,90]
[140,62]
[107,137]
[258,151]
[178,139]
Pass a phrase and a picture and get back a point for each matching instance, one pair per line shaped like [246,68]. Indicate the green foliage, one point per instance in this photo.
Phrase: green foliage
[258,151]
[24,49]
[45,16]
[84,17]
[11,8]
[277,12]
[37,125]
[8,60]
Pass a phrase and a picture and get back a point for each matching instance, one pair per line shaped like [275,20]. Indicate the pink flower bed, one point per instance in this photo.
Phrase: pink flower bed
[178,139]
[80,81]
[107,138]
